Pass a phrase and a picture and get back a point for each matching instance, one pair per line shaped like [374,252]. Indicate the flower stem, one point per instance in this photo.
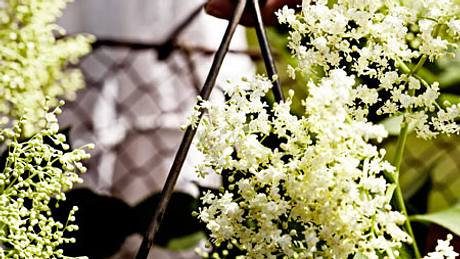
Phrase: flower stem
[398,196]
[400,147]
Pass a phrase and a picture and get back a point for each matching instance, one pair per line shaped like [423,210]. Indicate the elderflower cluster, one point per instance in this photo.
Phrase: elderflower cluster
[385,43]
[302,187]
[443,250]
[313,186]
[37,165]
[34,62]
[36,171]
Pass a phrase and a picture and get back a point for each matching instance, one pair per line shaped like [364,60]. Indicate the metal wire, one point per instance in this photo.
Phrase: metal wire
[265,50]
[164,49]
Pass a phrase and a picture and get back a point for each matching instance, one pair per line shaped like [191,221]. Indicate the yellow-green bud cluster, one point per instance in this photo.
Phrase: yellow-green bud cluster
[34,62]
[35,172]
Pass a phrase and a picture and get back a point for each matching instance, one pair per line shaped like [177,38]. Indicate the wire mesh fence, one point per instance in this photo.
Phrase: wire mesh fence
[131,117]
[136,98]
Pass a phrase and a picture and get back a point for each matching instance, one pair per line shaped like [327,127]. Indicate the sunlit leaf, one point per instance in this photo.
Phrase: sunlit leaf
[449,218]
[186,242]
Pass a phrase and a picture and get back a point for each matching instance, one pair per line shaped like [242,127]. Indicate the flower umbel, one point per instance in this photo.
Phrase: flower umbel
[375,40]
[34,173]
[316,185]
[34,62]
[321,192]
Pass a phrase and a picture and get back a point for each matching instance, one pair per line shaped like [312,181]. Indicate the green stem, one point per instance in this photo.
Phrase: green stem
[398,196]
[419,65]
[400,147]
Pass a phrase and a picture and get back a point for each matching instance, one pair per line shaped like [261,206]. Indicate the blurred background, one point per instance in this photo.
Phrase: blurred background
[147,66]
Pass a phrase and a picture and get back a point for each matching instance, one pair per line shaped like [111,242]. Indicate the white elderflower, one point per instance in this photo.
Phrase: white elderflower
[443,250]
[454,26]
[322,184]
[312,186]
[375,44]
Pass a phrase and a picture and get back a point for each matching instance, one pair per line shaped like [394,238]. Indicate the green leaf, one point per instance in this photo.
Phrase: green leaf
[186,242]
[427,75]
[449,218]
[449,78]
[405,252]
[419,181]
[451,98]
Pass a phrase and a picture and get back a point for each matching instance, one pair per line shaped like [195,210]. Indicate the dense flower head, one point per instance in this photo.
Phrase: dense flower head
[36,171]
[320,192]
[379,40]
[315,185]
[37,163]
[34,61]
